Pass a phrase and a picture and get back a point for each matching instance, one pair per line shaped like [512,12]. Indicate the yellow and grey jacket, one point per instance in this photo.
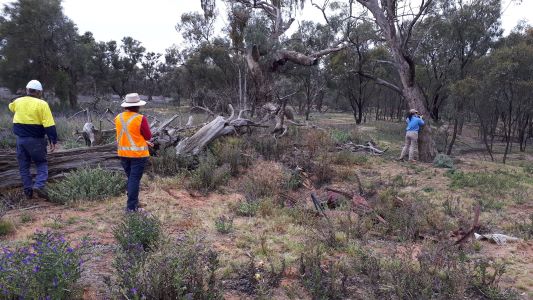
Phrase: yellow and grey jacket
[33,118]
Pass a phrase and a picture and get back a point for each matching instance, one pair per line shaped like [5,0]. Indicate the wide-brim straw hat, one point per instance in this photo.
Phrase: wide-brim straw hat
[413,111]
[132,99]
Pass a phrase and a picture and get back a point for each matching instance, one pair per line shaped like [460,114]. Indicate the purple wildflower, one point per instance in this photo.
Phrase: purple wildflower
[134,291]
[55,282]
[36,269]
[69,250]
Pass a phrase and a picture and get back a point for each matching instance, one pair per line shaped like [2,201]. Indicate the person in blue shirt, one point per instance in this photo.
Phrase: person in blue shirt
[414,122]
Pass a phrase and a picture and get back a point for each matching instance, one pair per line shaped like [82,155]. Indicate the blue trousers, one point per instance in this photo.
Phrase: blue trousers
[30,150]
[134,168]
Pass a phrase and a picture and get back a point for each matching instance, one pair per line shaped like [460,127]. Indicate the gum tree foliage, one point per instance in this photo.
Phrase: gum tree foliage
[459,34]
[500,88]
[39,41]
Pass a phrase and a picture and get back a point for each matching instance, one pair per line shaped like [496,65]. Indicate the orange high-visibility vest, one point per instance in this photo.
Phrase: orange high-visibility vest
[129,139]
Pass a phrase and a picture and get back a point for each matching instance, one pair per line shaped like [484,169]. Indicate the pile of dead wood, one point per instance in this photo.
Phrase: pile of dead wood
[188,139]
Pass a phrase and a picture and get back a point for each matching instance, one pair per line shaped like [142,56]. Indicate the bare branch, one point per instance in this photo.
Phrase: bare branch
[302,59]
[382,82]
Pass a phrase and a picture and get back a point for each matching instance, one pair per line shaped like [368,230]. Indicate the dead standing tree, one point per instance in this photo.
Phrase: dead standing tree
[276,11]
[396,24]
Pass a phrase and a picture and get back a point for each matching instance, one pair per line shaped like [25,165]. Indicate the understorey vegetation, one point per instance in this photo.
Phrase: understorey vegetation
[48,268]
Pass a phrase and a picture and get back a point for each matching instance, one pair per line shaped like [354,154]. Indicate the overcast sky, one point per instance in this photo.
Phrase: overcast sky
[152,21]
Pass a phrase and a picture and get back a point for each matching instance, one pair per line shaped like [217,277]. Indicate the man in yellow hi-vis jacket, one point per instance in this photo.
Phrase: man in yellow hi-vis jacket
[31,122]
[133,135]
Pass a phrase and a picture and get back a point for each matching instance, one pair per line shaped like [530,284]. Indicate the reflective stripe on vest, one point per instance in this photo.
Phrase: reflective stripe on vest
[124,131]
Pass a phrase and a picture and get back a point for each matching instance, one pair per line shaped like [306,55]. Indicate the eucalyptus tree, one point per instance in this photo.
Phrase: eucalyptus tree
[151,71]
[397,20]
[39,41]
[268,54]
[459,34]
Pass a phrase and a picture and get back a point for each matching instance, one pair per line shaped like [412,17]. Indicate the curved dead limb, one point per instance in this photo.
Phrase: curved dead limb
[369,147]
[209,112]
[86,111]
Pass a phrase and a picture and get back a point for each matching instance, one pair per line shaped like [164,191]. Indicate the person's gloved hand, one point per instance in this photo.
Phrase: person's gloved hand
[150,144]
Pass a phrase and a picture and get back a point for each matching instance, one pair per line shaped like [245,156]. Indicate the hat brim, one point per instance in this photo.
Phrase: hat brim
[131,104]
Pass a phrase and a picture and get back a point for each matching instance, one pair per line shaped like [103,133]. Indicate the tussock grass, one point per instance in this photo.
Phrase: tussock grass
[89,184]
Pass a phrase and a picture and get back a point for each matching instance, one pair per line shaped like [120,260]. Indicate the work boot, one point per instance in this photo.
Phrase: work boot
[28,194]
[42,193]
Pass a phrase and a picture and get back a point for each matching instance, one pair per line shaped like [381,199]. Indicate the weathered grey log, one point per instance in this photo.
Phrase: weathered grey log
[61,162]
[218,127]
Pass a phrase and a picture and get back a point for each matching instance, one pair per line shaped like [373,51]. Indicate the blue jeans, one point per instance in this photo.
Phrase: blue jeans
[134,168]
[30,150]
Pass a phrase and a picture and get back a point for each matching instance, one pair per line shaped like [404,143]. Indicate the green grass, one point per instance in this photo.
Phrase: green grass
[499,182]
[89,184]
[6,228]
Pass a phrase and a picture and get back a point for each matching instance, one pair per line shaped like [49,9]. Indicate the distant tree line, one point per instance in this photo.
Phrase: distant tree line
[447,58]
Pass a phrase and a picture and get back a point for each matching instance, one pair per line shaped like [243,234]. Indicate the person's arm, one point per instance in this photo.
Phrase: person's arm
[12,106]
[145,129]
[421,122]
[49,125]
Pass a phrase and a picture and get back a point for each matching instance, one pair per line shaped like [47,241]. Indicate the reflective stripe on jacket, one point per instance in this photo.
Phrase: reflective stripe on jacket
[130,141]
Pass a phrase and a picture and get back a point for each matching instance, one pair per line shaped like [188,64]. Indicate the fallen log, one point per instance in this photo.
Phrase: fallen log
[218,127]
[61,162]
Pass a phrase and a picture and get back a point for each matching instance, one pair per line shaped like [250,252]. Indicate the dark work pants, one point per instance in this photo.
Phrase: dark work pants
[30,150]
[134,168]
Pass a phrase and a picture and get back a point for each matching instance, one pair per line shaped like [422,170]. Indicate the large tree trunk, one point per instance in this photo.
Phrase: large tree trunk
[385,16]
[427,148]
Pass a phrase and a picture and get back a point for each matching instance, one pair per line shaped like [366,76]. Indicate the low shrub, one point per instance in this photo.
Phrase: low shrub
[208,176]
[524,228]
[166,162]
[497,183]
[71,144]
[6,228]
[262,180]
[485,279]
[443,161]
[322,170]
[90,184]
[224,224]
[257,277]
[293,180]
[438,272]
[138,229]
[47,269]
[323,280]
[231,151]
[340,136]
[183,270]
[11,199]
[404,219]
[269,148]
[246,208]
